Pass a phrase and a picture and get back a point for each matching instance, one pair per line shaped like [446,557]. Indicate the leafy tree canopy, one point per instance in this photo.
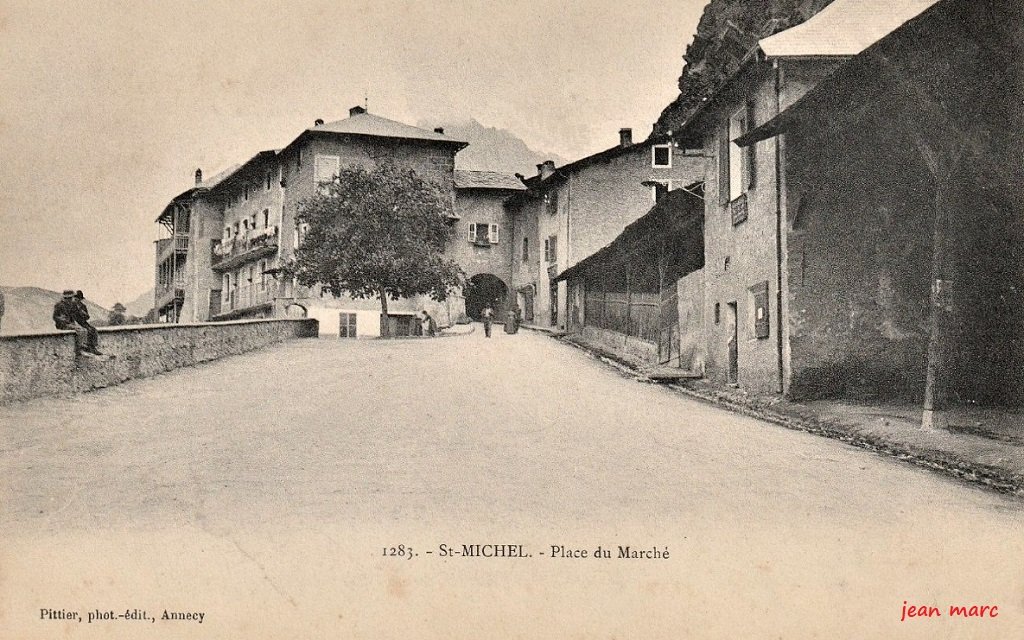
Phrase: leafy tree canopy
[378,232]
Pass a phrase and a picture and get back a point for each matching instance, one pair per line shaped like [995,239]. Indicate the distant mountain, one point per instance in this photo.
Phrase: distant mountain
[492,149]
[30,310]
[140,306]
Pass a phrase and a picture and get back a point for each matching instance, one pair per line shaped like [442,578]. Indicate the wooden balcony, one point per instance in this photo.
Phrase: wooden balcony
[229,254]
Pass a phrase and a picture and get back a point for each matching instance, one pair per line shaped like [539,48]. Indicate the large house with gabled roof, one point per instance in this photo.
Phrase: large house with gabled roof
[229,236]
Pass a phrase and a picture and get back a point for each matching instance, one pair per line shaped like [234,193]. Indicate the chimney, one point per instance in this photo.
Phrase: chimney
[546,169]
[199,177]
[625,137]
[439,130]
[355,111]
[318,122]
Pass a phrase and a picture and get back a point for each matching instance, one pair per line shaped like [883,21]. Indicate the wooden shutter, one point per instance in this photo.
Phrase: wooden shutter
[492,234]
[472,232]
[723,164]
[749,153]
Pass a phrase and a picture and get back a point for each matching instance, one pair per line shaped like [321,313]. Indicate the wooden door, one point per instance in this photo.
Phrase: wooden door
[732,331]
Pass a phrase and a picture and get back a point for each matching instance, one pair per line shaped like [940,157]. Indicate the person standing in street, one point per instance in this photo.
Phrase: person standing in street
[488,316]
[428,324]
[82,319]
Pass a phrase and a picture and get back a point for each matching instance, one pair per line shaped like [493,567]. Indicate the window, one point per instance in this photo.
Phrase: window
[551,249]
[226,293]
[482,233]
[252,275]
[526,249]
[737,170]
[269,180]
[236,228]
[759,309]
[252,222]
[266,218]
[325,169]
[227,232]
[263,274]
[551,202]
[661,156]
[660,189]
[347,325]
[245,225]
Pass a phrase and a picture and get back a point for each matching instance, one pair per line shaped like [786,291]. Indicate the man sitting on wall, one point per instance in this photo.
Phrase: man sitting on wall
[82,318]
[65,318]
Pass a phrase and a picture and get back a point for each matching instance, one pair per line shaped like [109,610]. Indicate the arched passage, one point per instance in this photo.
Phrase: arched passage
[295,311]
[486,289]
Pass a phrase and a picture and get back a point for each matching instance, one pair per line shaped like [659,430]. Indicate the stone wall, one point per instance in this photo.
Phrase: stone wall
[692,339]
[620,343]
[39,365]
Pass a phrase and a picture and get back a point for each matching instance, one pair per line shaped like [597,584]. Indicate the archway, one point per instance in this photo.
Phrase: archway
[295,311]
[486,289]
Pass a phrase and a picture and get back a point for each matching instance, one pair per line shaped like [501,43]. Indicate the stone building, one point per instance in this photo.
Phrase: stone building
[748,319]
[231,235]
[901,215]
[570,212]
[483,244]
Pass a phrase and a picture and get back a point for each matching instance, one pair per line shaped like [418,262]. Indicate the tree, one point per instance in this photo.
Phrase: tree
[377,233]
[117,315]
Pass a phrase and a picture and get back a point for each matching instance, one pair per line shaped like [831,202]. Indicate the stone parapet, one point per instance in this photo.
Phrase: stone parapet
[46,364]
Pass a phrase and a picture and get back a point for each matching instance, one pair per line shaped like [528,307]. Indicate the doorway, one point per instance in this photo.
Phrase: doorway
[732,328]
[485,290]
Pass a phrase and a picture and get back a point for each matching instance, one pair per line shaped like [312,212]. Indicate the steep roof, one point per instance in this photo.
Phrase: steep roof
[561,173]
[205,184]
[843,28]
[368,124]
[487,180]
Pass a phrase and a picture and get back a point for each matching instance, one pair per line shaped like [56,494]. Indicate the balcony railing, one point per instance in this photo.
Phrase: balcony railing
[174,283]
[226,254]
[165,246]
[245,297]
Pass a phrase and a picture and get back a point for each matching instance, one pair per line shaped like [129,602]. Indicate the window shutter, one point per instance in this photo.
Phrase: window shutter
[326,168]
[492,234]
[723,164]
[472,232]
[749,155]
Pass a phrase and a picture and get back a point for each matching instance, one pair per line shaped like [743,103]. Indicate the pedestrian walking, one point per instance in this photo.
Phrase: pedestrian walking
[488,316]
[82,319]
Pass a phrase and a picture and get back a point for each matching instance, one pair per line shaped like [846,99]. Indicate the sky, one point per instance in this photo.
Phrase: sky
[107,108]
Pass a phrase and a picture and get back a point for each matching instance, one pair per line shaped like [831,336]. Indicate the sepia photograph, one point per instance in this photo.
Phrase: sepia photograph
[521,319]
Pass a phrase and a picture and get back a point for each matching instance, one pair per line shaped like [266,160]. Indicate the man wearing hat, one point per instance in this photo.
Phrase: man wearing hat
[82,318]
[65,318]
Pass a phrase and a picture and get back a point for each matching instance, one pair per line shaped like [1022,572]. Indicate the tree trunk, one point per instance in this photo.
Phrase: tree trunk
[385,326]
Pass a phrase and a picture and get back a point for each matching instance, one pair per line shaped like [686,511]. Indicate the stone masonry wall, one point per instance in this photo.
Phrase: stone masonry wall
[40,365]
